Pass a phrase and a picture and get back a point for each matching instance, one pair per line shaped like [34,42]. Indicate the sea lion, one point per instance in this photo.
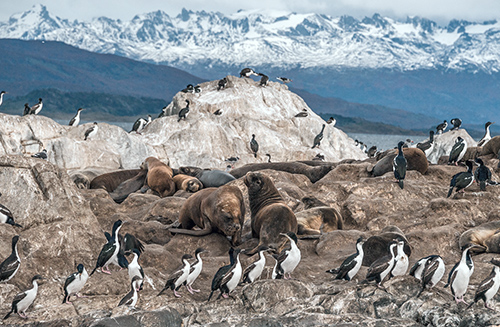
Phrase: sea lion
[376,246]
[110,181]
[209,178]
[270,216]
[314,173]
[311,201]
[159,177]
[81,180]
[486,237]
[187,183]
[491,147]
[220,210]
[415,158]
[319,220]
[129,186]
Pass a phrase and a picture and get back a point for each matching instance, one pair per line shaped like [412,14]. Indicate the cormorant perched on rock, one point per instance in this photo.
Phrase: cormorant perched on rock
[381,267]
[227,277]
[488,288]
[163,112]
[131,298]
[432,272]
[319,156]
[254,146]
[441,127]
[76,119]
[400,261]
[462,180]
[318,138]
[23,300]
[457,151]
[350,267]
[482,175]
[284,80]
[1,97]
[372,151]
[178,277]
[288,259]
[487,135]
[91,132]
[110,250]
[331,121]
[456,122]
[6,217]
[255,269]
[197,89]
[399,165]
[222,84]
[41,155]
[268,157]
[9,267]
[74,283]
[183,113]
[139,125]
[264,79]
[247,72]
[303,113]
[35,110]
[195,270]
[189,89]
[459,276]
[232,161]
[218,112]
[428,145]
[27,109]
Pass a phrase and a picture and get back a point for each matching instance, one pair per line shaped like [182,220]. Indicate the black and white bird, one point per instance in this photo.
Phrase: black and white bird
[133,296]
[459,276]
[276,274]
[331,121]
[319,157]
[183,113]
[382,267]
[284,80]
[10,266]
[222,84]
[135,269]
[139,125]
[41,155]
[350,267]
[227,277]
[264,79]
[218,112]
[163,112]
[1,97]
[35,110]
[303,113]
[6,216]
[189,89]
[254,270]
[432,272]
[288,260]
[195,270]
[399,165]
[418,268]
[428,145]
[254,146]
[462,180]
[110,250]
[401,261]
[457,151]
[482,175]
[27,109]
[456,122]
[247,72]
[75,282]
[91,131]
[268,157]
[76,119]
[487,135]
[488,288]
[441,127]
[23,300]
[372,151]
[318,138]
[232,161]
[198,89]
[178,277]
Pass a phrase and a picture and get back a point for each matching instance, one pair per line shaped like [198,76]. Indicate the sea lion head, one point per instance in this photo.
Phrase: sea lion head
[194,185]
[230,211]
[258,183]
[190,171]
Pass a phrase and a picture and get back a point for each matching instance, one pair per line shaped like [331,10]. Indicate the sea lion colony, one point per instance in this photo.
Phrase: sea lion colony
[273,235]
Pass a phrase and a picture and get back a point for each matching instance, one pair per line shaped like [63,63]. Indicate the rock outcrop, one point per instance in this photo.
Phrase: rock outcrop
[444,142]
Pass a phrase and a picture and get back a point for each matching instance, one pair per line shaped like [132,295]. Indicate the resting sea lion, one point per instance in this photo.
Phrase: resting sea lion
[187,183]
[110,181]
[311,201]
[376,246]
[209,178]
[314,173]
[270,215]
[485,236]
[129,186]
[319,220]
[491,147]
[220,210]
[159,177]
[81,180]
[415,158]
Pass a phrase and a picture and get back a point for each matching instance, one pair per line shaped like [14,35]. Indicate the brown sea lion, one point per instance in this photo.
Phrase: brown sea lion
[311,201]
[319,220]
[376,246]
[110,181]
[269,213]
[129,186]
[415,158]
[314,173]
[220,210]
[187,183]
[159,177]
[491,147]
[485,236]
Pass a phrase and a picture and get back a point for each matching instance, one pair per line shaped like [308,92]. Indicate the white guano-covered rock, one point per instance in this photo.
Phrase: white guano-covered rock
[444,142]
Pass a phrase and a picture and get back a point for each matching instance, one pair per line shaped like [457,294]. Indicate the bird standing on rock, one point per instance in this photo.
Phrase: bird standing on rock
[432,272]
[10,266]
[441,127]
[23,300]
[318,138]
[189,89]
[135,269]
[110,250]
[74,283]
[132,297]
[487,135]
[91,132]
[264,79]
[462,180]
[1,97]
[457,151]
[178,277]
[331,121]
[482,175]
[227,277]
[399,165]
[195,270]
[27,109]
[303,113]
[428,145]
[76,119]
[488,288]
[247,72]
[400,261]
[41,155]
[222,84]
[254,146]
[35,110]
[382,267]
[255,269]
[456,122]
[459,276]
[350,267]
[288,260]
[183,113]
[6,217]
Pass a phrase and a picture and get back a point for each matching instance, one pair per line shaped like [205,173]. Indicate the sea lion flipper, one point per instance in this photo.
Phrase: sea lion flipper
[199,232]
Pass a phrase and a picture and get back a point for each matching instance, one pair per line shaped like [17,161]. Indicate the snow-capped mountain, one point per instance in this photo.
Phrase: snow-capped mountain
[274,40]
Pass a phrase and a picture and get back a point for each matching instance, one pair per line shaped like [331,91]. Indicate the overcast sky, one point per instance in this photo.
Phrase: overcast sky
[441,11]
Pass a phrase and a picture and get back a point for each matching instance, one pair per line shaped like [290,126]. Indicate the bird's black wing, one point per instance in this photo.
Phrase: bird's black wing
[248,270]
[88,131]
[485,285]
[8,267]
[130,242]
[219,275]
[107,251]
[346,266]
[5,211]
[430,267]
[70,279]
[378,266]
[450,275]
[127,299]
[18,298]
[226,278]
